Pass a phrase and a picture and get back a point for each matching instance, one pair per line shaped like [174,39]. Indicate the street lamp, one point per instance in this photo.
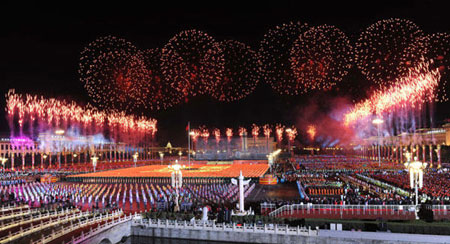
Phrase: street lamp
[378,122]
[94,161]
[180,153]
[177,181]
[135,157]
[44,157]
[3,162]
[272,158]
[415,169]
[289,130]
[191,133]
[161,156]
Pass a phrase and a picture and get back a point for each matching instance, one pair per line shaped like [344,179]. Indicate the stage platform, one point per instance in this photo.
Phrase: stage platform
[198,171]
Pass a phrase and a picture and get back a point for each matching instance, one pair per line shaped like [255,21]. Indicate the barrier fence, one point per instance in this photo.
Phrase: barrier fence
[393,212]
[213,226]
[42,226]
[13,207]
[84,223]
[38,217]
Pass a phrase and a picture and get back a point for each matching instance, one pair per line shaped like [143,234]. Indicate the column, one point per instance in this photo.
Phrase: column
[32,160]
[23,160]
[431,154]
[401,154]
[396,154]
[417,151]
[59,160]
[13,154]
[386,153]
[391,153]
[113,153]
[372,153]
[381,152]
[423,153]
[438,151]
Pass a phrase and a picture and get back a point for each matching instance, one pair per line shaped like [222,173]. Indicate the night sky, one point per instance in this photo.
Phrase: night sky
[40,49]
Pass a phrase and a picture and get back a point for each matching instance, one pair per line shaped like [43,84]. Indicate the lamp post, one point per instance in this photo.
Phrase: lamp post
[272,157]
[3,162]
[135,157]
[45,157]
[74,157]
[161,156]
[378,122]
[415,169]
[190,133]
[289,130]
[94,161]
[180,153]
[177,181]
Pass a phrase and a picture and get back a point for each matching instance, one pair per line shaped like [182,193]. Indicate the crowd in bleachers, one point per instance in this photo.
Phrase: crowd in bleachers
[320,178]
[342,164]
[436,185]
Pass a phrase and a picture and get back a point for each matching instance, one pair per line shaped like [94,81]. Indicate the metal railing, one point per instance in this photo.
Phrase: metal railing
[366,210]
[32,218]
[220,227]
[18,214]
[80,224]
[35,228]
[267,205]
[12,207]
[81,238]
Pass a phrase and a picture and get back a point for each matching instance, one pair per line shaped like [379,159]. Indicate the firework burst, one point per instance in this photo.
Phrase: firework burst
[274,54]
[379,49]
[319,58]
[240,75]
[193,62]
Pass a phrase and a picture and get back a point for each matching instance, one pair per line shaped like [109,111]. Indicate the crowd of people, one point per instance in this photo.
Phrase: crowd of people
[436,185]
[320,180]
[351,180]
[130,197]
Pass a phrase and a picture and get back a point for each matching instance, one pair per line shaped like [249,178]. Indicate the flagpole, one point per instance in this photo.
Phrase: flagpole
[189,144]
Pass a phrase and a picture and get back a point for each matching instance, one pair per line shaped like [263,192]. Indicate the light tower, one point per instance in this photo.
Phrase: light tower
[177,181]
[415,169]
[3,159]
[94,161]
[161,156]
[135,157]
[378,122]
